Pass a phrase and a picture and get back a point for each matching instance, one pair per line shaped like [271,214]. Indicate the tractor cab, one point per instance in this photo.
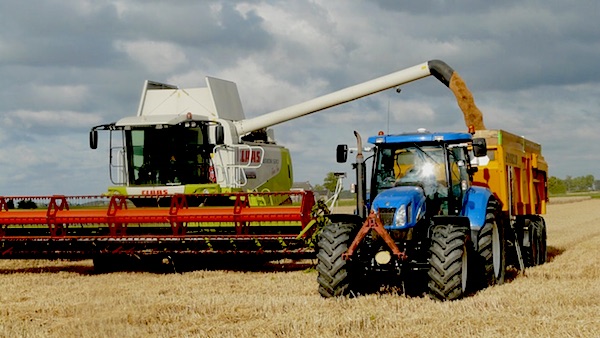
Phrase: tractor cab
[419,174]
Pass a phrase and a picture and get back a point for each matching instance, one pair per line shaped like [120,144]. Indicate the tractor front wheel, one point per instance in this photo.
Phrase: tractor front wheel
[448,272]
[335,274]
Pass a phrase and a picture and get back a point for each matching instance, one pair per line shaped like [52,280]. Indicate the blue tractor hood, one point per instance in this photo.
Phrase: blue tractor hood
[400,207]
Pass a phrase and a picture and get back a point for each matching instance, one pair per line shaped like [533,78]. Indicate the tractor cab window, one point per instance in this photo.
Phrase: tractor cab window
[422,166]
[171,155]
[459,172]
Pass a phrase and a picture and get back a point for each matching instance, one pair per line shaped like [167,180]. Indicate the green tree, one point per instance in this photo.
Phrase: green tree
[26,204]
[330,181]
[556,186]
[579,183]
[570,184]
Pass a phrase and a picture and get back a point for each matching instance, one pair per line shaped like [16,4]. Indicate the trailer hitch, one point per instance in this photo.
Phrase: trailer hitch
[373,222]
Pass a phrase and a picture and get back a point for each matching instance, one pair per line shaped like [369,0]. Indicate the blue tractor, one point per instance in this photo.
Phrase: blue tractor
[423,228]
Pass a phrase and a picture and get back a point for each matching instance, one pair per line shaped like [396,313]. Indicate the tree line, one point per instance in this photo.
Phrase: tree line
[22,204]
[572,184]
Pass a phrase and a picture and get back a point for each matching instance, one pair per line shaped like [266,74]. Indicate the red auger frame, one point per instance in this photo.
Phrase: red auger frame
[66,230]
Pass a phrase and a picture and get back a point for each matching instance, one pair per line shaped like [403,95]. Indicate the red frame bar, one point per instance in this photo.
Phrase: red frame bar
[59,216]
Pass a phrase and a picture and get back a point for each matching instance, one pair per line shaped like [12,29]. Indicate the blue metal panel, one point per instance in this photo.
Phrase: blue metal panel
[422,137]
[411,197]
[475,206]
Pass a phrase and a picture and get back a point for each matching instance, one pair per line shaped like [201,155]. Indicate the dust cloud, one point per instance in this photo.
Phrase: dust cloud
[473,116]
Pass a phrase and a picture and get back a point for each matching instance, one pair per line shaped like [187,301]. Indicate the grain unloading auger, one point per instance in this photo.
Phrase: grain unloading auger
[202,178]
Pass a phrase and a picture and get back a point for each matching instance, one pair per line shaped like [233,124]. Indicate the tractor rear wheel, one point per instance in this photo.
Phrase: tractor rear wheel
[335,274]
[448,272]
[491,249]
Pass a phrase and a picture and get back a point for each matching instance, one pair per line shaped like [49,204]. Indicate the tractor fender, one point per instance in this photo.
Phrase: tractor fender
[475,206]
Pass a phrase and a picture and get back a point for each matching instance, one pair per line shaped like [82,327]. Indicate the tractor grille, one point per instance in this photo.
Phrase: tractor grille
[387,215]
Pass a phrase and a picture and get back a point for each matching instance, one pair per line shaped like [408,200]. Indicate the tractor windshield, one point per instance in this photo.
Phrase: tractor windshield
[440,170]
[170,155]
[413,165]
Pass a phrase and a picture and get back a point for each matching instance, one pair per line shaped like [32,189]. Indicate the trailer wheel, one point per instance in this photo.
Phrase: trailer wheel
[449,262]
[531,252]
[535,253]
[491,248]
[334,273]
[543,244]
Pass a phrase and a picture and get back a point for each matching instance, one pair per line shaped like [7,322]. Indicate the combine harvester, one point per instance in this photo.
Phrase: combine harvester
[192,177]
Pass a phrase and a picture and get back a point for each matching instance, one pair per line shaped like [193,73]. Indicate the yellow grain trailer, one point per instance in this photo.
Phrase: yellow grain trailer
[516,172]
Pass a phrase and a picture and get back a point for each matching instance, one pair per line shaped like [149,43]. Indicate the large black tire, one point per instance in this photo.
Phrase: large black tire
[492,249]
[543,244]
[535,253]
[335,275]
[103,264]
[448,272]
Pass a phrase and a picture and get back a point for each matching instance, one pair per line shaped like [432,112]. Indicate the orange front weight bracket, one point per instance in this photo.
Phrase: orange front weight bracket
[373,222]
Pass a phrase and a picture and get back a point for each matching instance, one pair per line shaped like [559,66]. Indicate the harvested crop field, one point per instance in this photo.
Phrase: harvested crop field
[65,299]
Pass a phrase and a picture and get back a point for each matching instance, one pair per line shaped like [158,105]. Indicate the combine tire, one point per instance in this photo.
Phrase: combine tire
[448,272]
[334,273]
[491,249]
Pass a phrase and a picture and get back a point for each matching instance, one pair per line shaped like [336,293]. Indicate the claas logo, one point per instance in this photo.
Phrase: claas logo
[250,156]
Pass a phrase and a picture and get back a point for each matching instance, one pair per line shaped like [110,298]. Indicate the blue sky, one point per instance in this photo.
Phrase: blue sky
[65,66]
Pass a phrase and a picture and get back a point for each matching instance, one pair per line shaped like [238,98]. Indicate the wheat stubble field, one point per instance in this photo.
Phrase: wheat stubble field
[40,298]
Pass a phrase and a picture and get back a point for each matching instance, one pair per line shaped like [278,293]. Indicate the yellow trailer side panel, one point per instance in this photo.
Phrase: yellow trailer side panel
[515,171]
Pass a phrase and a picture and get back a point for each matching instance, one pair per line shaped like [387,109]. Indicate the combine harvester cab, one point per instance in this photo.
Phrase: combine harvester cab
[183,141]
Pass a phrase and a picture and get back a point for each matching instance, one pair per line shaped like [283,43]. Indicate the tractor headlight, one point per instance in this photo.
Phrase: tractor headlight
[400,219]
[403,215]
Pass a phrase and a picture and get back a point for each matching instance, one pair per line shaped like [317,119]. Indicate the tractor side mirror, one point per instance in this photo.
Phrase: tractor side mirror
[341,153]
[479,147]
[93,139]
[219,134]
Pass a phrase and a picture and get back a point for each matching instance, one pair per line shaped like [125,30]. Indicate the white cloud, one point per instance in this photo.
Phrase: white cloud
[45,119]
[67,95]
[156,56]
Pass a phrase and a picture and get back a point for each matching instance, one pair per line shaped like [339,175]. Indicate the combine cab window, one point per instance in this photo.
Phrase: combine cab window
[167,156]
